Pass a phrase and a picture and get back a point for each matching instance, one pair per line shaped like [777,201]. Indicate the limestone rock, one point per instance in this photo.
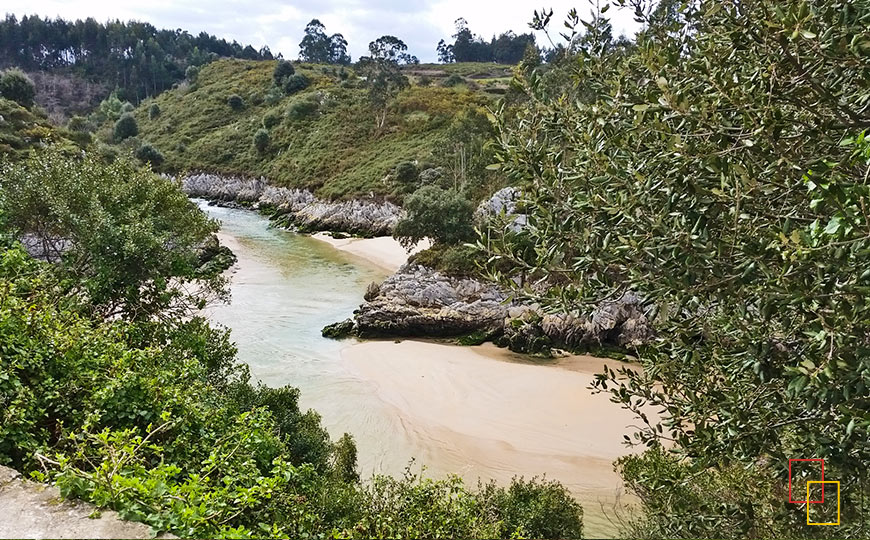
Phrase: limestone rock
[297,207]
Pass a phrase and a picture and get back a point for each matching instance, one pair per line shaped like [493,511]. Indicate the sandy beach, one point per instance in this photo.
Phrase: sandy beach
[383,251]
[497,415]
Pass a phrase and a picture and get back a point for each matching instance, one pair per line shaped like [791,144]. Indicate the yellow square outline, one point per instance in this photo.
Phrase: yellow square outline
[838,500]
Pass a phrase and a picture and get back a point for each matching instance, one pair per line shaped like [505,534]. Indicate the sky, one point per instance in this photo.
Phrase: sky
[280,24]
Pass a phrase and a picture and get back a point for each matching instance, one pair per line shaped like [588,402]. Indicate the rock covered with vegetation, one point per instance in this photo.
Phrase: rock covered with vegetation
[297,208]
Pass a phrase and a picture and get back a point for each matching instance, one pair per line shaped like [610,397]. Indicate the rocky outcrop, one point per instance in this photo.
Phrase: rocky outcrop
[32,510]
[503,205]
[420,302]
[297,208]
[619,322]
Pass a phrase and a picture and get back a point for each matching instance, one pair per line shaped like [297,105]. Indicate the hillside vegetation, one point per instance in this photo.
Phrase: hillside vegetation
[22,129]
[324,137]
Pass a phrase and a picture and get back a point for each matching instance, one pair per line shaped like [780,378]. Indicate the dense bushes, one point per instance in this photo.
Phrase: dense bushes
[261,140]
[125,127]
[445,216]
[148,154]
[295,83]
[283,69]
[718,168]
[236,102]
[15,85]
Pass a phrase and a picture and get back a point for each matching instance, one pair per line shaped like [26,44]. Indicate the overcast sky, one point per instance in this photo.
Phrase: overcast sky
[279,24]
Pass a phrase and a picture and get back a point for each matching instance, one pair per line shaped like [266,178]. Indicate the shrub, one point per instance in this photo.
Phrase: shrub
[445,216]
[271,120]
[261,140]
[235,102]
[126,127]
[78,124]
[153,111]
[425,80]
[295,83]
[127,107]
[406,173]
[453,80]
[148,154]
[283,70]
[191,73]
[302,108]
[16,86]
[456,261]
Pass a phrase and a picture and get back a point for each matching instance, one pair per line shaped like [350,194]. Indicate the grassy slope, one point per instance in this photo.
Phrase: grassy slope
[21,130]
[334,150]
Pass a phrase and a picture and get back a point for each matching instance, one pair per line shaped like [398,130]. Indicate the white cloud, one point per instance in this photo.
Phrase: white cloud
[280,25]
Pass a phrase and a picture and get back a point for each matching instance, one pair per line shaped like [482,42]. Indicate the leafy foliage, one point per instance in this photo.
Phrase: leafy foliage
[317,47]
[261,140]
[148,154]
[283,69]
[124,239]
[442,215]
[295,83]
[15,85]
[125,127]
[719,169]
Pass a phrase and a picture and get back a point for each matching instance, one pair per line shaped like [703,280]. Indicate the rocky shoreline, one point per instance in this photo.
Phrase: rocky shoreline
[296,208]
[420,302]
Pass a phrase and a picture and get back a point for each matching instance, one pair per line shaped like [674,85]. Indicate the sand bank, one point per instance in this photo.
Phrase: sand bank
[383,251]
[486,412]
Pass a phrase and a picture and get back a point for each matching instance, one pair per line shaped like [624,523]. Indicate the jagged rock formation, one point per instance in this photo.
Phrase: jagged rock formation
[417,301]
[297,207]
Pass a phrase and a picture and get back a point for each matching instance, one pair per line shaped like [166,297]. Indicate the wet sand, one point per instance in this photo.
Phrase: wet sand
[486,412]
[383,251]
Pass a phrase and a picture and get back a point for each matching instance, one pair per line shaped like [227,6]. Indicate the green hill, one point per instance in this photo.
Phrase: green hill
[324,138]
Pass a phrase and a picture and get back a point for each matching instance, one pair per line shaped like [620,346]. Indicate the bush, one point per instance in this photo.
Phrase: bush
[78,124]
[261,140]
[191,73]
[126,127]
[295,83]
[453,80]
[445,216]
[127,107]
[302,108]
[148,154]
[407,173]
[455,261]
[16,86]
[235,102]
[283,70]
[271,120]
[153,111]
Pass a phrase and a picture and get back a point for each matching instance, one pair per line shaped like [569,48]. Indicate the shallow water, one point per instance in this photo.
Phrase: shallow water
[285,288]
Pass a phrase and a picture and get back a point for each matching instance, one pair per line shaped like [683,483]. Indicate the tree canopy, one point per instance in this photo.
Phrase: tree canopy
[719,169]
[133,56]
[319,48]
